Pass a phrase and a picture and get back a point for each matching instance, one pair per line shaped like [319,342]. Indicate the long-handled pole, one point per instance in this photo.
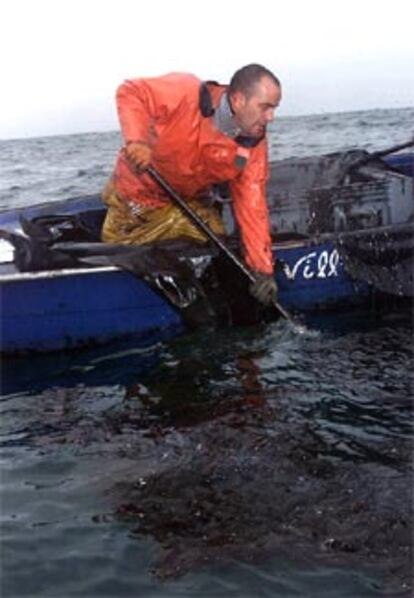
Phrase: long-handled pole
[195,218]
[382,153]
[392,149]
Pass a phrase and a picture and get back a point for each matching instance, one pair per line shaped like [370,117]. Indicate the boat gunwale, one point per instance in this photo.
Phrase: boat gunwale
[48,274]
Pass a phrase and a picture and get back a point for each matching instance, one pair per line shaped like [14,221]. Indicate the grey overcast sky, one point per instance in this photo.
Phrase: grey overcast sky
[61,61]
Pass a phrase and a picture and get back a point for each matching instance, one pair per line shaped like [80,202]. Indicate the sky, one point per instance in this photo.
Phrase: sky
[61,61]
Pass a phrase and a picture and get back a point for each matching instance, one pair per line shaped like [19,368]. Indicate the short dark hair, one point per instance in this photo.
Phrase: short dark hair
[245,79]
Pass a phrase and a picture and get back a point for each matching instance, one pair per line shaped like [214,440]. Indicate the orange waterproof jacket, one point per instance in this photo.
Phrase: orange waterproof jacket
[192,154]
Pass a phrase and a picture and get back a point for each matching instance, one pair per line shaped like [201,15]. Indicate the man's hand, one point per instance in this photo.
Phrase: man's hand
[139,154]
[264,289]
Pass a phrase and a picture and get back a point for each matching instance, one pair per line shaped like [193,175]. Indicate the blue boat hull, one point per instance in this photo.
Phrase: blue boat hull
[72,308]
[314,278]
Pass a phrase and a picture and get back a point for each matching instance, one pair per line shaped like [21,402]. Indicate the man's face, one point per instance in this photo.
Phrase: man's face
[253,112]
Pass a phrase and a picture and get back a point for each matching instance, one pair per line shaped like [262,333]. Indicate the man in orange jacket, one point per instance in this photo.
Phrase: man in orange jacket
[196,135]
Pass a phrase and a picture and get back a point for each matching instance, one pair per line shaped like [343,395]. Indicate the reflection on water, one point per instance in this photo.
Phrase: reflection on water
[234,461]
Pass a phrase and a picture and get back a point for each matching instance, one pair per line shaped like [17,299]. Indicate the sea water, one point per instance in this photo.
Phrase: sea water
[243,462]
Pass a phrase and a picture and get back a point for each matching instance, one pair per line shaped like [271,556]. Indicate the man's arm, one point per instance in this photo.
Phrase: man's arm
[142,103]
[250,209]
[135,102]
